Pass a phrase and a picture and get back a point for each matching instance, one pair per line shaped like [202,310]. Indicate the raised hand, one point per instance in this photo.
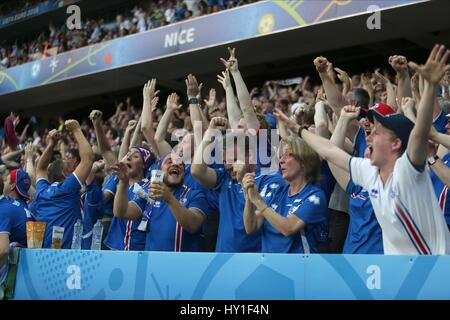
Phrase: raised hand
[211,102]
[350,112]
[219,123]
[172,102]
[72,125]
[154,103]
[193,88]
[407,104]
[29,151]
[232,63]
[380,78]
[53,137]
[96,115]
[149,90]
[321,64]
[399,64]
[122,171]
[435,67]
[282,117]
[131,125]
[342,75]
[98,166]
[225,80]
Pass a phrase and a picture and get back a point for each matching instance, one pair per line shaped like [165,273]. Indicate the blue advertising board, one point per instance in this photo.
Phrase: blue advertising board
[105,275]
[245,22]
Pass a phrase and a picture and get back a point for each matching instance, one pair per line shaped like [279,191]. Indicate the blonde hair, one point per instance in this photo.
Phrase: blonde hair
[306,155]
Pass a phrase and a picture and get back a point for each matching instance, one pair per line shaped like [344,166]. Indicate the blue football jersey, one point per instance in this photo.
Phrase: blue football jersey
[232,236]
[360,143]
[441,191]
[164,233]
[364,233]
[93,208]
[58,204]
[309,205]
[440,122]
[13,218]
[124,234]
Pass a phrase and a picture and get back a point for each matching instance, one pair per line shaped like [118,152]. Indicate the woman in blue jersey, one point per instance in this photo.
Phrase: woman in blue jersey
[296,215]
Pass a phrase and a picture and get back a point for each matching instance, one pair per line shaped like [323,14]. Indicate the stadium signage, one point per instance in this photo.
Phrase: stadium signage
[259,19]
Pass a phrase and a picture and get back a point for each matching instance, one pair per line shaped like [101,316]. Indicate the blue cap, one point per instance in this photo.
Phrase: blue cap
[22,181]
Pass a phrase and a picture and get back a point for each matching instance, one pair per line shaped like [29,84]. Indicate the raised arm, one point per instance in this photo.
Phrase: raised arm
[199,169]
[345,79]
[334,96]
[102,142]
[86,154]
[245,101]
[400,65]
[124,147]
[193,90]
[136,139]
[233,111]
[150,104]
[432,72]
[321,119]
[161,131]
[391,93]
[44,160]
[348,114]
[326,150]
[122,209]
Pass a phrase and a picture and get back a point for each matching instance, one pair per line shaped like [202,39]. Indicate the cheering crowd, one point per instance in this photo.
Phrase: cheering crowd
[271,170]
[143,16]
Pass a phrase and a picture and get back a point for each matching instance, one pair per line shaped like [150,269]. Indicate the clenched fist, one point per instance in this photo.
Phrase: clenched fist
[72,125]
[95,115]
[321,64]
[218,123]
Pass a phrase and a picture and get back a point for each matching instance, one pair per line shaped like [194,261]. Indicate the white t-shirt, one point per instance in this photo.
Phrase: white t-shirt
[406,208]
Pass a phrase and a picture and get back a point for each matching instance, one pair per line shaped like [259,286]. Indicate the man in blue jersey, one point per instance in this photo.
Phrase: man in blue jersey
[13,214]
[57,197]
[173,221]
[227,181]
[296,215]
[123,234]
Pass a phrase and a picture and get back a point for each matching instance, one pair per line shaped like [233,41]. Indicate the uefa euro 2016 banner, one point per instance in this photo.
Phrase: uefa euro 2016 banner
[246,22]
[33,11]
[102,275]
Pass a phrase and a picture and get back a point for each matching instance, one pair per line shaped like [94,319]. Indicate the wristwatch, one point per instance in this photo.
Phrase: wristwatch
[193,101]
[432,160]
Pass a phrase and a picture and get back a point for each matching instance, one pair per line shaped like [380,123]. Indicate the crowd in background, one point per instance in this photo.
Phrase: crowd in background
[362,166]
[143,16]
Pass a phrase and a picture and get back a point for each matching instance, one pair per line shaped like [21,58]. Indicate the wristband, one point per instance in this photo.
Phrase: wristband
[193,101]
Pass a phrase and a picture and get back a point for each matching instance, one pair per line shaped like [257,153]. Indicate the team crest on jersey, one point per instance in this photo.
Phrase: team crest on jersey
[293,209]
[16,203]
[314,199]
[274,185]
[374,193]
[183,201]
